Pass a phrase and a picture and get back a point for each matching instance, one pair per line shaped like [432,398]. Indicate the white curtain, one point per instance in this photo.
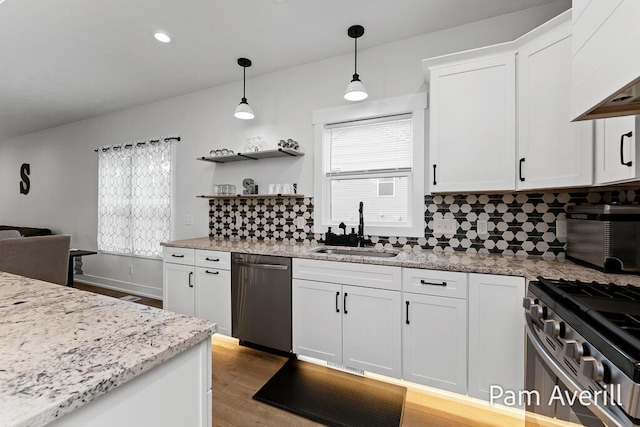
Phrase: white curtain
[134,197]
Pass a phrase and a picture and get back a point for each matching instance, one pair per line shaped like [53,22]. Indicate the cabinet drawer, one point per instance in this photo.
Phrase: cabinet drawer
[433,282]
[346,273]
[178,255]
[213,259]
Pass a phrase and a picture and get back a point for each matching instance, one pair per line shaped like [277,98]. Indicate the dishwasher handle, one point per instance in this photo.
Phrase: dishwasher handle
[263,266]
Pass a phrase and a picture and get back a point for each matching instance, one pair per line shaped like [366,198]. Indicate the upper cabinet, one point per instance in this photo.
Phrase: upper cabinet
[472,125]
[606,58]
[552,151]
[489,133]
[616,150]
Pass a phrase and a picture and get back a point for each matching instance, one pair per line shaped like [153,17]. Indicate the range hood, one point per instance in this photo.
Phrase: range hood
[623,103]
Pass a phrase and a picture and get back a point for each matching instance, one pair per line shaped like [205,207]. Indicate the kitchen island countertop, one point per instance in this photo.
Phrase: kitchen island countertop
[529,267]
[62,347]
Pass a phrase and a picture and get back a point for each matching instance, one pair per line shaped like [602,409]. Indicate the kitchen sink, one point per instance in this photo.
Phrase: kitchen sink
[355,252]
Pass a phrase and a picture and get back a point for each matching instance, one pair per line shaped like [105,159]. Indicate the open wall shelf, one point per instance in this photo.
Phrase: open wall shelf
[253,155]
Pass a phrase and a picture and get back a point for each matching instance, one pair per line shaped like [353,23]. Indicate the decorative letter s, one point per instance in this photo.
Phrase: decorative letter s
[25,184]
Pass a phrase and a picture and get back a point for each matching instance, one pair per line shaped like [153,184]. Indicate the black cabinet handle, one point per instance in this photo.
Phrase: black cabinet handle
[628,135]
[211,272]
[424,282]
[344,303]
[520,169]
[434,175]
[337,296]
[212,259]
[177,256]
[407,318]
[190,274]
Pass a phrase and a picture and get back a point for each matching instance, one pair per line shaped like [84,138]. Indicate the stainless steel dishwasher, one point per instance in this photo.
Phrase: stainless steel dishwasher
[261,300]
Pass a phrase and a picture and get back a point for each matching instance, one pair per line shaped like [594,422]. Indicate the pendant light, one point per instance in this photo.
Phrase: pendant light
[356,90]
[243,110]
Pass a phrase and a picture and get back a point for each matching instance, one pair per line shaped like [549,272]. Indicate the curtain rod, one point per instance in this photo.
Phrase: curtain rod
[138,144]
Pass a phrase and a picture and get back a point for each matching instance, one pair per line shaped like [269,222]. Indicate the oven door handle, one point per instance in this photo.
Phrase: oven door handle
[610,416]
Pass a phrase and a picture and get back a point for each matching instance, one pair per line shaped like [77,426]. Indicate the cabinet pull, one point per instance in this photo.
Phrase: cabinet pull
[177,256]
[434,175]
[628,135]
[424,282]
[344,303]
[520,169]
[190,274]
[212,259]
[337,296]
[407,318]
[211,272]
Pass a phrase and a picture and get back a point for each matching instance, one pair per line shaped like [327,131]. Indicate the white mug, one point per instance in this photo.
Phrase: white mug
[287,189]
[277,189]
[272,189]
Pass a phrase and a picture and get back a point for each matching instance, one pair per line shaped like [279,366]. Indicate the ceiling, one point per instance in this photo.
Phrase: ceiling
[67,60]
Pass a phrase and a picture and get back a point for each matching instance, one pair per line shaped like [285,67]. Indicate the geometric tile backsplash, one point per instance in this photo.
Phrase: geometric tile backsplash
[517,223]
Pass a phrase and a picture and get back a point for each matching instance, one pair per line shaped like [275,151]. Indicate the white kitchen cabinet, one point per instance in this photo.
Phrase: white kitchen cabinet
[179,288]
[496,333]
[198,283]
[213,297]
[353,325]
[616,153]
[434,350]
[317,320]
[371,332]
[472,135]
[552,151]
[606,58]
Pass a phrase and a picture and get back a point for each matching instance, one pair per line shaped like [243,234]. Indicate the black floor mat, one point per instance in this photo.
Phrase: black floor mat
[332,397]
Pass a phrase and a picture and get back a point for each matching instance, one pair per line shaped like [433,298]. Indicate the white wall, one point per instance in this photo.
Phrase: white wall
[63,193]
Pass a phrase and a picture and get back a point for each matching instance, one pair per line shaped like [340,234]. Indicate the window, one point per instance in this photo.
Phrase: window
[134,198]
[376,159]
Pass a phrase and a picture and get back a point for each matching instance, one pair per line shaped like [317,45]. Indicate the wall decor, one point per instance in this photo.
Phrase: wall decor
[25,184]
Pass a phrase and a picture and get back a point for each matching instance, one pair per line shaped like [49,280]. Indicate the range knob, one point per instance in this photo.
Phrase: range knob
[551,328]
[573,350]
[536,311]
[592,368]
[527,302]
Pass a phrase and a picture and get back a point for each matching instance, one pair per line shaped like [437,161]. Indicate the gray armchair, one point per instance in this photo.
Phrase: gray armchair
[43,258]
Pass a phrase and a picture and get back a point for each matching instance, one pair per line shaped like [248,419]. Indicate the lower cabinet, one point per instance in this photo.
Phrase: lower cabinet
[355,326]
[434,350]
[198,283]
[348,325]
[434,328]
[496,333]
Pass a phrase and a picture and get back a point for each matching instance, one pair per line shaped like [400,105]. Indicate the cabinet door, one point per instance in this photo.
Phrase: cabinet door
[434,349]
[496,333]
[552,151]
[213,297]
[616,150]
[317,320]
[371,331]
[472,132]
[179,288]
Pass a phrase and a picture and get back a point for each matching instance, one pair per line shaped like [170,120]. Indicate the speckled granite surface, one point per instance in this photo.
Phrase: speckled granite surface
[60,348]
[528,267]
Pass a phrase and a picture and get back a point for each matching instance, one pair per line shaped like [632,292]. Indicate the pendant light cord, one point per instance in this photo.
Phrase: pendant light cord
[244,83]
[355,64]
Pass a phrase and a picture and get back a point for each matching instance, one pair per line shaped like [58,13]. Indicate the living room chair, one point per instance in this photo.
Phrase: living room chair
[43,258]
[9,234]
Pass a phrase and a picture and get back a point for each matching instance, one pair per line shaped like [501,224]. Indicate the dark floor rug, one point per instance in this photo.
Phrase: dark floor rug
[332,397]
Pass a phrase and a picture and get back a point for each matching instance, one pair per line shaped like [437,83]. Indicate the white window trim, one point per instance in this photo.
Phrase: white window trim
[415,104]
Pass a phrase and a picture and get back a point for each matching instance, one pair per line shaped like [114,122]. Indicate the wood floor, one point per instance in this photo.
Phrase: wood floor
[239,372]
[117,294]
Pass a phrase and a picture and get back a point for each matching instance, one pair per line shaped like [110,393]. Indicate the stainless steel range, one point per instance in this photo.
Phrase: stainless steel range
[583,351]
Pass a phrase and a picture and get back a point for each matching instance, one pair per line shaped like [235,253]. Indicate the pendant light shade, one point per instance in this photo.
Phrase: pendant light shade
[243,110]
[355,90]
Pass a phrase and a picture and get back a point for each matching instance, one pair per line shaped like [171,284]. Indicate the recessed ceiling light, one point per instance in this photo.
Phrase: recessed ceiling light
[162,37]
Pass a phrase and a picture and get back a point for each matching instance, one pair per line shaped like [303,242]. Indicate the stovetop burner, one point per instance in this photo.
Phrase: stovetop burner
[608,314]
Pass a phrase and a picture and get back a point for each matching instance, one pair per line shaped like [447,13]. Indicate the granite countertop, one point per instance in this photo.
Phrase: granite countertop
[528,267]
[63,347]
